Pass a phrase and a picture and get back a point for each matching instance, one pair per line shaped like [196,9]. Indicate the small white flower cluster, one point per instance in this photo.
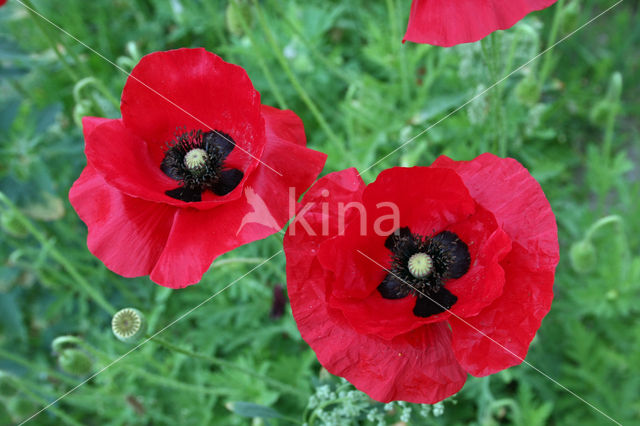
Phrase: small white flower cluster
[343,406]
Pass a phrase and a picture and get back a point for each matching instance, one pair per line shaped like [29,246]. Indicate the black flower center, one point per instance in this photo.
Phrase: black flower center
[421,266]
[196,160]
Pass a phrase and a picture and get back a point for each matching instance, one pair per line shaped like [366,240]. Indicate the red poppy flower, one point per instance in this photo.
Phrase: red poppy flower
[429,273]
[447,23]
[2,2]
[195,167]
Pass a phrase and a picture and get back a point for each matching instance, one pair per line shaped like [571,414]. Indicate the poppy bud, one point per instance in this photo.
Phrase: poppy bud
[129,325]
[583,256]
[75,362]
[238,11]
[7,388]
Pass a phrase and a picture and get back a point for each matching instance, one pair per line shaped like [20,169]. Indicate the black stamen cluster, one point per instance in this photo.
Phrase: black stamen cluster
[210,175]
[451,260]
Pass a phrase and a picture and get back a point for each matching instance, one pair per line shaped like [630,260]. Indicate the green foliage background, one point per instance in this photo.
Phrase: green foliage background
[571,117]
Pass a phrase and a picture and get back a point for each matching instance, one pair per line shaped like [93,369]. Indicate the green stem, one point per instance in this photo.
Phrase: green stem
[154,378]
[263,66]
[491,56]
[51,37]
[330,66]
[222,363]
[602,222]
[547,62]
[36,397]
[87,81]
[36,368]
[296,83]
[401,58]
[59,257]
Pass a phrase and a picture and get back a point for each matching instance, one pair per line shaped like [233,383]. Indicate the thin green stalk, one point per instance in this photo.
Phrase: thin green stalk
[51,37]
[491,56]
[35,368]
[547,62]
[602,222]
[265,69]
[401,58]
[296,83]
[329,66]
[59,257]
[154,378]
[36,397]
[222,363]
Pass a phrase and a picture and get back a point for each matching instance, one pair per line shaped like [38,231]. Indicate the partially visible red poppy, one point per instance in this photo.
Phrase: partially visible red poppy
[195,167]
[447,23]
[2,2]
[429,273]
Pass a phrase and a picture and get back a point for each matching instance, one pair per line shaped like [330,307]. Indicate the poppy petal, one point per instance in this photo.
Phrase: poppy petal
[447,23]
[127,234]
[516,200]
[500,335]
[267,203]
[193,89]
[284,124]
[122,160]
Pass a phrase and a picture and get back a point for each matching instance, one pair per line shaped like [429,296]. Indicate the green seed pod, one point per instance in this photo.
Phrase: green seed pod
[129,325]
[583,256]
[7,388]
[238,11]
[75,361]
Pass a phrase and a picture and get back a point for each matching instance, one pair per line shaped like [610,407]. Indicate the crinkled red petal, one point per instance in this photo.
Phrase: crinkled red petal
[127,234]
[192,89]
[499,337]
[507,189]
[427,201]
[418,367]
[121,158]
[447,23]
[267,203]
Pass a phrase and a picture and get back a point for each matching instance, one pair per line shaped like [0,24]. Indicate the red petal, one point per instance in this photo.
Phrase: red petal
[505,188]
[193,89]
[283,124]
[447,23]
[198,237]
[127,234]
[484,280]
[510,322]
[122,160]
[418,367]
[428,201]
